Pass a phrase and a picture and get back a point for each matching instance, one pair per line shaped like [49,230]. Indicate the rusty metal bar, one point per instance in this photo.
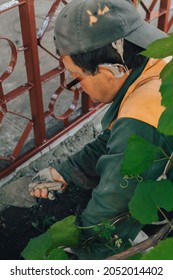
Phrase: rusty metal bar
[12,62]
[17,92]
[3,107]
[51,74]
[87,104]
[170,23]
[152,5]
[145,8]
[22,140]
[163,19]
[162,14]
[48,19]
[51,140]
[135,2]
[28,29]
[10,5]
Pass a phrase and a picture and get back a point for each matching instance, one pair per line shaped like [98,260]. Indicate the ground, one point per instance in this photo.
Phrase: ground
[18,225]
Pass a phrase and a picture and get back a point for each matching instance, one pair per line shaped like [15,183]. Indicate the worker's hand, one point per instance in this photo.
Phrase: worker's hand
[45,182]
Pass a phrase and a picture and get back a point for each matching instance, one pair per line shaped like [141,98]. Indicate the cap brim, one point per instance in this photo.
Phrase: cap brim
[144,35]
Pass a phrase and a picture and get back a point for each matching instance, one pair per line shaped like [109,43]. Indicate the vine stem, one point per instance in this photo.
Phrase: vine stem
[146,244]
[114,220]
[163,152]
[163,214]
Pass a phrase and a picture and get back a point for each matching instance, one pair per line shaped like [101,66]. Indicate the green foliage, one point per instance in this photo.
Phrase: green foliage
[45,223]
[138,157]
[63,233]
[167,94]
[166,121]
[153,196]
[166,74]
[137,256]
[163,251]
[57,254]
[105,229]
[167,85]
[149,197]
[160,48]
[37,247]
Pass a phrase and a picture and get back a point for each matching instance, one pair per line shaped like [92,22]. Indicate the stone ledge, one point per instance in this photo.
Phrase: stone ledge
[14,188]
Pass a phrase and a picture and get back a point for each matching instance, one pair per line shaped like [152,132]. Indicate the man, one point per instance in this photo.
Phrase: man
[99,42]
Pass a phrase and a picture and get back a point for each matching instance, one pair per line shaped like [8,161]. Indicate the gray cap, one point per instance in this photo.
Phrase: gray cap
[86,25]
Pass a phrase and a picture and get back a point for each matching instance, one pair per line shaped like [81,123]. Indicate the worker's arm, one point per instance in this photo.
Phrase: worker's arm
[78,170]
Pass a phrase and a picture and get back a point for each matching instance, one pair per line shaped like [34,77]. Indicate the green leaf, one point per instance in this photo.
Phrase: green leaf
[149,197]
[166,73]
[166,121]
[57,254]
[96,228]
[160,48]
[48,221]
[37,247]
[105,229]
[138,157]
[162,251]
[137,256]
[166,88]
[65,232]
[167,94]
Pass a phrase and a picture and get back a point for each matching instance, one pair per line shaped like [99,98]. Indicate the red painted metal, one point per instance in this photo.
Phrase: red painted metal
[10,5]
[135,2]
[33,86]
[164,23]
[28,29]
[56,136]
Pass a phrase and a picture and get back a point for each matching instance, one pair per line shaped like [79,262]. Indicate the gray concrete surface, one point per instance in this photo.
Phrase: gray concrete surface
[11,191]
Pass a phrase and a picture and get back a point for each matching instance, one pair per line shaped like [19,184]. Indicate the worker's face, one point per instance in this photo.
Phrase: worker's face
[102,87]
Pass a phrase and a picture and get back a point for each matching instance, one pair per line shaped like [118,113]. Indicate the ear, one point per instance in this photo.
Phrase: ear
[106,75]
[119,46]
[113,69]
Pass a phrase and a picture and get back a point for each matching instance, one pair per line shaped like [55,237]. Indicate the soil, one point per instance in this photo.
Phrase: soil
[18,225]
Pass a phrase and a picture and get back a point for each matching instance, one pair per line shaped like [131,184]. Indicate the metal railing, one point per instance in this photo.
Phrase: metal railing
[157,9]
[35,128]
